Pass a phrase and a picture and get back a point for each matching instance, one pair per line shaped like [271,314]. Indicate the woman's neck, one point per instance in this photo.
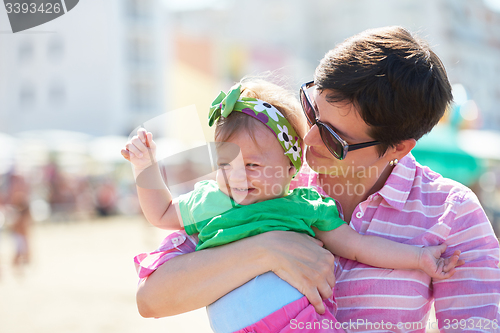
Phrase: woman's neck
[351,191]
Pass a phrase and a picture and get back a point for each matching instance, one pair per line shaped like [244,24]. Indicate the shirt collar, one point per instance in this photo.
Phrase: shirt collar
[399,184]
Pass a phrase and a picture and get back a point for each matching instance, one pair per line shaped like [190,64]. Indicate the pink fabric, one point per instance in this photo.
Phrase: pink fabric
[298,316]
[415,206]
[177,243]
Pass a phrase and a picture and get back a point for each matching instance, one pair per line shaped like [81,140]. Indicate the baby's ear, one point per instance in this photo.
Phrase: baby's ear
[291,170]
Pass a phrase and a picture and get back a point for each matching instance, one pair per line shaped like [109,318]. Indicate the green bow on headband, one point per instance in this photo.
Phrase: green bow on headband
[224,104]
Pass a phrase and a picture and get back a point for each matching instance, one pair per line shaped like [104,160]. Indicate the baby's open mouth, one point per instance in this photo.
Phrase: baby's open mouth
[241,189]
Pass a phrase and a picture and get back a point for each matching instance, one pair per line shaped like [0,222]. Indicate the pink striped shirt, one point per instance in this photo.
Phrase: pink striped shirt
[419,207]
[416,206]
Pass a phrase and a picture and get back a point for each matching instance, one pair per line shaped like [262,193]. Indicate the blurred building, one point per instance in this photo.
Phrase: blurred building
[464,33]
[97,69]
[225,39]
[472,55]
[107,66]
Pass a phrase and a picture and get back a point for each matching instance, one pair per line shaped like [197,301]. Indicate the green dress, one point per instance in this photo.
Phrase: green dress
[218,220]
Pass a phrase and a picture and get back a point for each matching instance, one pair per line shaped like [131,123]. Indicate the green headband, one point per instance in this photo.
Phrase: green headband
[224,104]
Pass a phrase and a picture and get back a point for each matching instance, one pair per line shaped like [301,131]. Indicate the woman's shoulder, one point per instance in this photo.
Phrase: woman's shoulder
[430,183]
[413,183]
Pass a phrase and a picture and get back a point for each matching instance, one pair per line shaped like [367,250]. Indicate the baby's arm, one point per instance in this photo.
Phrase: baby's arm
[381,252]
[154,196]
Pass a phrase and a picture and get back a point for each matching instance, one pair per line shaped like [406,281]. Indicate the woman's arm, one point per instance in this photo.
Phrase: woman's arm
[473,294]
[380,252]
[191,281]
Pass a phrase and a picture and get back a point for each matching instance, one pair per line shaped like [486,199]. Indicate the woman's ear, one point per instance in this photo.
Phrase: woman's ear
[401,149]
[406,146]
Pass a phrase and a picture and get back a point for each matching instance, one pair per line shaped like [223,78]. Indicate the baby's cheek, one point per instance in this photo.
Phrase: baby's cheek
[221,182]
[273,188]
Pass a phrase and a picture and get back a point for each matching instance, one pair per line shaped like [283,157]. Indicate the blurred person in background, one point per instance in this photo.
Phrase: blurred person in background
[62,194]
[20,229]
[17,200]
[2,220]
[382,86]
[105,198]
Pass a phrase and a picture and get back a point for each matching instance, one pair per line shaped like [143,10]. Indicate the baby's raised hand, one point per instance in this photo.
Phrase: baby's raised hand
[437,267]
[140,150]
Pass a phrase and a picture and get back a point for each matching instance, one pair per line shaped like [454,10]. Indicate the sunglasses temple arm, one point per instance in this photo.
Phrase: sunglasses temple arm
[362,145]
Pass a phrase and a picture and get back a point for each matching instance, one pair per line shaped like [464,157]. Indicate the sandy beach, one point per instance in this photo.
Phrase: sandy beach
[82,280]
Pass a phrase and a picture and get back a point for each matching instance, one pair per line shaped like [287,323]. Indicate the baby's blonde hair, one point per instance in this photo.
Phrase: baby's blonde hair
[281,98]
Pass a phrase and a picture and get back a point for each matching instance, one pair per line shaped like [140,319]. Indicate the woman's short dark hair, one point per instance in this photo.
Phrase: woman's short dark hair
[396,82]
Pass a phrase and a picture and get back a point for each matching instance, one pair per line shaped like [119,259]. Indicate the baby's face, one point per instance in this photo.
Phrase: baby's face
[257,171]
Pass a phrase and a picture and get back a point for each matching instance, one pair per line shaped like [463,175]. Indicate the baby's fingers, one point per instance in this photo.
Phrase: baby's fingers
[125,154]
[453,261]
[142,134]
[149,141]
[450,263]
[440,266]
[136,147]
[446,275]
[145,137]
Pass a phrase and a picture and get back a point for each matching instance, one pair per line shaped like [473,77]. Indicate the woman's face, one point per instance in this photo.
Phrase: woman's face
[344,119]
[251,170]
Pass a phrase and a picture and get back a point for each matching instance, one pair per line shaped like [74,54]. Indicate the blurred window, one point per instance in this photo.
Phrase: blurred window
[26,51]
[57,93]
[140,9]
[142,95]
[55,47]
[27,95]
[140,49]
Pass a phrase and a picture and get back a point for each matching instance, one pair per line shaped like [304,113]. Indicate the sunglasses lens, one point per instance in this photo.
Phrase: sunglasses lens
[307,107]
[331,142]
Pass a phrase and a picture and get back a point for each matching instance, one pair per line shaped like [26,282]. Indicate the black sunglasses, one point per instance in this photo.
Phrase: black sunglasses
[335,144]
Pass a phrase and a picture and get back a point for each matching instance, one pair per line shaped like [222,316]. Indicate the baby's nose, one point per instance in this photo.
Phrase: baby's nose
[238,174]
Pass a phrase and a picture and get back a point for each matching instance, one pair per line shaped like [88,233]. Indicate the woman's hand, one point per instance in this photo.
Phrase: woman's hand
[301,261]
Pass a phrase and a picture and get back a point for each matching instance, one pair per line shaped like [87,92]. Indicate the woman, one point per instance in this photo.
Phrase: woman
[372,97]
